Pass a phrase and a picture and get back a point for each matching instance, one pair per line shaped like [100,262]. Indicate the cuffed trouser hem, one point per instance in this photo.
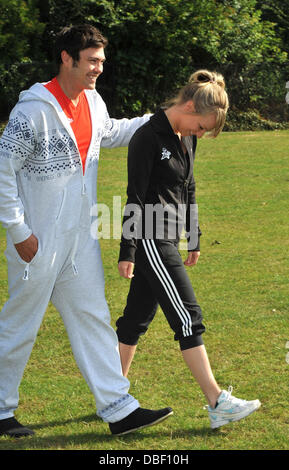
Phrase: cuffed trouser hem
[119,410]
[191,342]
[129,340]
[6,414]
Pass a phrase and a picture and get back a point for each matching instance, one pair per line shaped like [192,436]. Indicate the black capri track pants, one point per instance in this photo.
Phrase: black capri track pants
[160,278]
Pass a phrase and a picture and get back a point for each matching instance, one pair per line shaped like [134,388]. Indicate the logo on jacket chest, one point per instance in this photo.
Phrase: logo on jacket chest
[165,154]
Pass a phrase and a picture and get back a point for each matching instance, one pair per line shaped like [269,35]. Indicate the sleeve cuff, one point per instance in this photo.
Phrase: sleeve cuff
[127,253]
[18,233]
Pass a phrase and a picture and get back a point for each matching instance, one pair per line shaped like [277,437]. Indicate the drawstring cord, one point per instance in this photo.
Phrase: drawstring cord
[75,246]
[74,267]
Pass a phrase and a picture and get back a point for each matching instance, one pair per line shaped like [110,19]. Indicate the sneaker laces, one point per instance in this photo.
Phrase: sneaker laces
[229,397]
[230,389]
[233,399]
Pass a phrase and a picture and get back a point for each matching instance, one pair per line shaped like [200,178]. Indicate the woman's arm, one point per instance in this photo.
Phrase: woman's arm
[192,228]
[141,154]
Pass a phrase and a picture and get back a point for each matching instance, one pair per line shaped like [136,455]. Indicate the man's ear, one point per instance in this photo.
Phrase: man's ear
[66,58]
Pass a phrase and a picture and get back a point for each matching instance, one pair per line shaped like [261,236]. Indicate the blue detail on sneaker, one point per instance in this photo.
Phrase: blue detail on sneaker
[230,409]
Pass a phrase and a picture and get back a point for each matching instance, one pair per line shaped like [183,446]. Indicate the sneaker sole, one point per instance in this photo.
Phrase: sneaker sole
[255,406]
[145,425]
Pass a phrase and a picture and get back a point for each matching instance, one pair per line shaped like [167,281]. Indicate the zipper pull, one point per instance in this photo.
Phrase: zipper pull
[26,273]
[83,192]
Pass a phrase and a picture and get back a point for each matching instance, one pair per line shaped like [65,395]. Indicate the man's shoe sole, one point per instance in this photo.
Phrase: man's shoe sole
[18,433]
[144,425]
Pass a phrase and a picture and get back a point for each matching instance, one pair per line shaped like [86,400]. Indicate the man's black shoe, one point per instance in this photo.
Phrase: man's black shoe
[11,427]
[138,419]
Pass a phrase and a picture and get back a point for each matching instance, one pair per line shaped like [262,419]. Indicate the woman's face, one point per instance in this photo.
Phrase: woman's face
[188,123]
[196,124]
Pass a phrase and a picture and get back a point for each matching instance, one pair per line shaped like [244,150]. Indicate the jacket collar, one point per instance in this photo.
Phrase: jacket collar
[160,122]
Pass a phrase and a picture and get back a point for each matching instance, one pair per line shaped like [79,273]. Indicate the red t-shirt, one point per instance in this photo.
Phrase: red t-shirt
[79,116]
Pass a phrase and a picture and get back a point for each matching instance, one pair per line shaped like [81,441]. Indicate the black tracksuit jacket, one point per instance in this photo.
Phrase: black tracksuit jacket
[159,173]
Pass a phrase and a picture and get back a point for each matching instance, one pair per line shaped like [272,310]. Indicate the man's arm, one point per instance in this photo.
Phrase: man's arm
[16,143]
[118,132]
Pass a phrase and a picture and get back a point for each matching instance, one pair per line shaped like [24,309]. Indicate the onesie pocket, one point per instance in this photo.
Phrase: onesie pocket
[22,261]
[68,217]
[22,268]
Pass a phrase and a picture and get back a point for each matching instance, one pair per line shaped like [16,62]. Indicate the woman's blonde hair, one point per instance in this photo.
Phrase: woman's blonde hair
[207,91]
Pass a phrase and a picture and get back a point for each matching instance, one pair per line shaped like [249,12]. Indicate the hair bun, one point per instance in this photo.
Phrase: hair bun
[205,76]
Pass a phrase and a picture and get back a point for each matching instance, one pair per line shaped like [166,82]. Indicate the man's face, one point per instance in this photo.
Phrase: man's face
[87,69]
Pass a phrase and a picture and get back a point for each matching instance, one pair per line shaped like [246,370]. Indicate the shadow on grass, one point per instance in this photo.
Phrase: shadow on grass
[82,419]
[81,440]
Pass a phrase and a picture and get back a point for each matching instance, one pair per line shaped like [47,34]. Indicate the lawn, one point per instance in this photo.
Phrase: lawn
[241,282]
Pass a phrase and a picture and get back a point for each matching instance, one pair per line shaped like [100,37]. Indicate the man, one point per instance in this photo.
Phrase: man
[49,155]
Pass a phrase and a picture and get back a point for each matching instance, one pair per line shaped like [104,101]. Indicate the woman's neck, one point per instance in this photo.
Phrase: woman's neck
[172,118]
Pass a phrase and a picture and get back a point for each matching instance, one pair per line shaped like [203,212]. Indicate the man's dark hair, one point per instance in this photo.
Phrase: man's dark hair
[74,39]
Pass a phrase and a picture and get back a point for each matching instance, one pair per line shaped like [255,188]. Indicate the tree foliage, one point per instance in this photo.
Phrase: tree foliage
[155,45]
[277,12]
[20,43]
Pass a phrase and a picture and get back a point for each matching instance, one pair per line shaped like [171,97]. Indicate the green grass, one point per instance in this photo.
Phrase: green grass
[241,283]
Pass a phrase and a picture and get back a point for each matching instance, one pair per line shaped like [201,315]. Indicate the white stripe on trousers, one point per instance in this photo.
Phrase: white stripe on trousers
[168,284]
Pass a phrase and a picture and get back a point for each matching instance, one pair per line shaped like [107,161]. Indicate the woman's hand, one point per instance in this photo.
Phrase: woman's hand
[192,258]
[125,269]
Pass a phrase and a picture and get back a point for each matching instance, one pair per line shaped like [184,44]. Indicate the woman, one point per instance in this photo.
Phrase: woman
[160,182]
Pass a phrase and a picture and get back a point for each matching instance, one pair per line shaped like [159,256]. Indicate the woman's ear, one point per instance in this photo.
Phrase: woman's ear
[189,106]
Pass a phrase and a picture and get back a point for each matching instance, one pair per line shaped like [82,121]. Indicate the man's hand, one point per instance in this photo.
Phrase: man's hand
[27,249]
[125,269]
[192,258]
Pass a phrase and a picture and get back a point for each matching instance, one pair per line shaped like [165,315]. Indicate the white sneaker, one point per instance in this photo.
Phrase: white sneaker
[230,409]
